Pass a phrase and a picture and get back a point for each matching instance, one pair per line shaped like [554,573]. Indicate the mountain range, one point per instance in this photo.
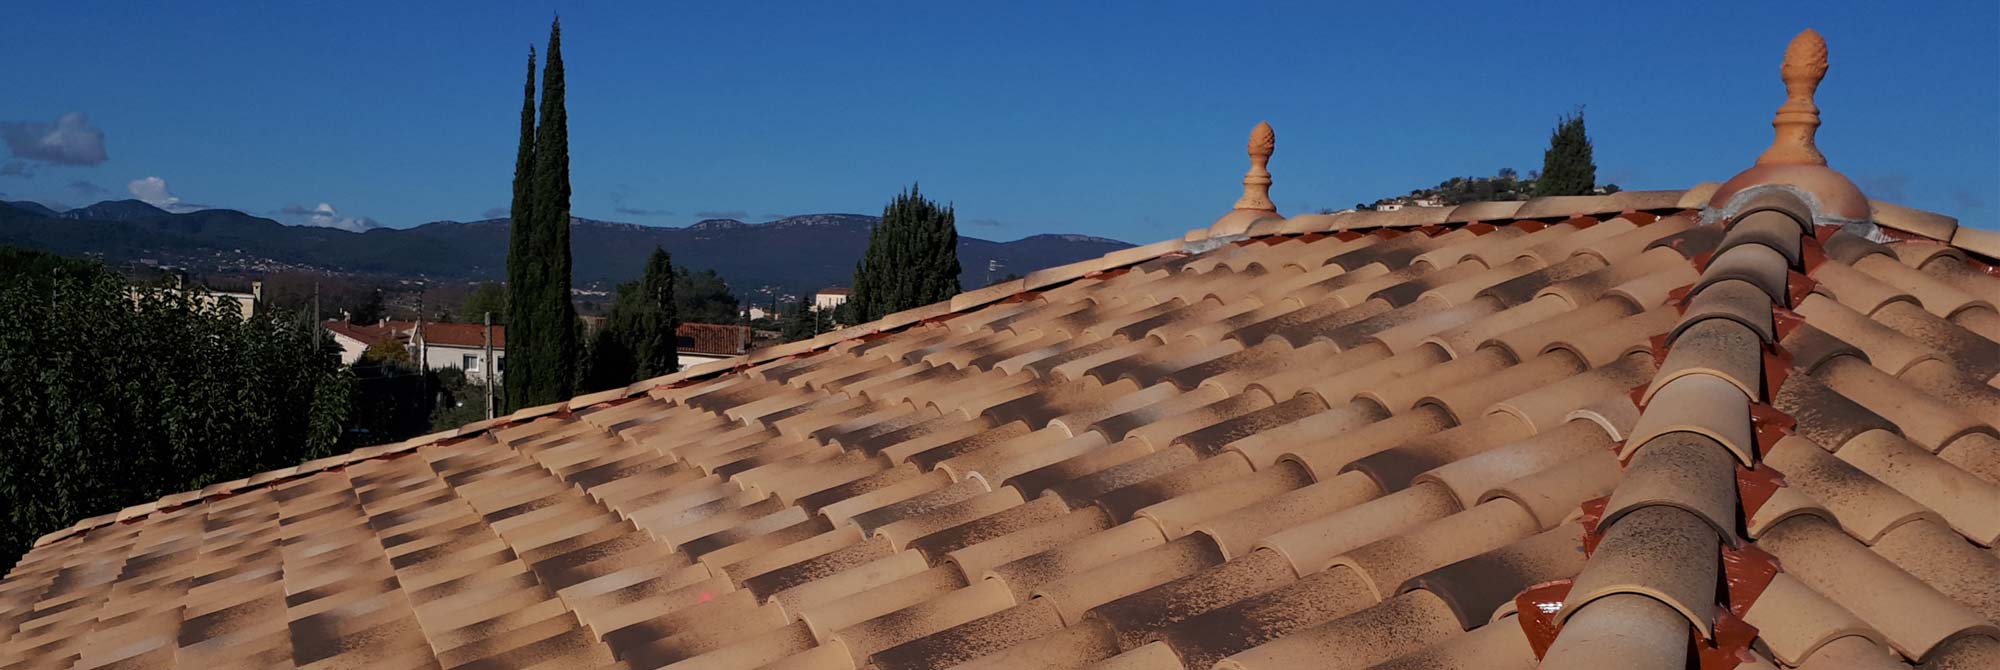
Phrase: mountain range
[795,255]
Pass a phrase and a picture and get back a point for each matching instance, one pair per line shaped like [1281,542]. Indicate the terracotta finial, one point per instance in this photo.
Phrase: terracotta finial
[1257,182]
[1798,118]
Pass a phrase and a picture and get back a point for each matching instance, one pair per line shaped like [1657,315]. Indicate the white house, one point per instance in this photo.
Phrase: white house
[460,345]
[830,297]
[355,338]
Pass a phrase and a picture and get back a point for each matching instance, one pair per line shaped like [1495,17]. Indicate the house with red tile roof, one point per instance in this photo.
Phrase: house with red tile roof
[701,343]
[354,339]
[1749,424]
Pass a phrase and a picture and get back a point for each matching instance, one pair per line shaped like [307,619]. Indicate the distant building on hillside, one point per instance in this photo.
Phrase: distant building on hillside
[831,297]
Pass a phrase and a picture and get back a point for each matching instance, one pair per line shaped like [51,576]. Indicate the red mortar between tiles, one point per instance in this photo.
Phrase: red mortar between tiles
[1582,222]
[1701,261]
[1479,228]
[941,318]
[1784,321]
[1777,369]
[1798,286]
[1678,298]
[1755,489]
[1770,425]
[1530,226]
[1746,573]
[1658,344]
[1593,512]
[1730,646]
[1536,609]
[1811,254]
[1021,297]
[1348,236]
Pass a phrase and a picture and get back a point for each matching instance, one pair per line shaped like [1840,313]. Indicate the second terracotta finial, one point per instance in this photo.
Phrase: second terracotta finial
[1257,182]
[1798,118]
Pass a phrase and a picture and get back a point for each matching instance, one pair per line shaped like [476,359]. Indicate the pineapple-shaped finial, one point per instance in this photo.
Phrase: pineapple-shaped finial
[1257,182]
[1798,118]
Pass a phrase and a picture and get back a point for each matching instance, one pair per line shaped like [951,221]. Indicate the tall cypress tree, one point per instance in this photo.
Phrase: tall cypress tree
[1567,168]
[521,264]
[551,354]
[911,261]
[655,339]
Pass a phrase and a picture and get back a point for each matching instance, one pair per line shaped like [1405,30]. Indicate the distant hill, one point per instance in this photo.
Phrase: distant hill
[797,254]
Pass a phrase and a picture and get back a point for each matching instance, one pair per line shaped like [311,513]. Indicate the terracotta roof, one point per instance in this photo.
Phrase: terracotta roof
[713,339]
[835,290]
[367,334]
[463,334]
[1605,431]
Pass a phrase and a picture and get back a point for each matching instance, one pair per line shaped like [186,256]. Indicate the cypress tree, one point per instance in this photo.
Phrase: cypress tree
[521,275]
[551,353]
[911,261]
[654,338]
[1567,168]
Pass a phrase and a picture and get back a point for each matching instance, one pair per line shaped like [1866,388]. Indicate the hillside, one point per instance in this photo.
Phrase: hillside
[796,254]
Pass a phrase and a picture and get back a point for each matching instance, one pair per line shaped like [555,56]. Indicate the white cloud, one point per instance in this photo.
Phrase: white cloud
[153,191]
[71,140]
[325,216]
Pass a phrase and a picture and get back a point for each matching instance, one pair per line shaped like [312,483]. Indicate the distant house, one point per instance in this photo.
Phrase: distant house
[245,304]
[462,346]
[703,342]
[830,297]
[356,338]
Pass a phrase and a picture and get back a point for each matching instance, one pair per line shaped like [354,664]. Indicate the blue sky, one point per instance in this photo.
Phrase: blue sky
[1119,119]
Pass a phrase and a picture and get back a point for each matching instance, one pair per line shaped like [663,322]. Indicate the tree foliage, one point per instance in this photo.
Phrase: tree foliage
[112,395]
[1567,168]
[638,339]
[911,261]
[703,297]
[543,333]
[486,297]
[801,320]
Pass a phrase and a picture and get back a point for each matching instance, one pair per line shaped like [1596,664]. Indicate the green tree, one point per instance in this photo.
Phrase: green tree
[1567,168]
[649,325]
[911,261]
[112,395]
[486,297]
[389,350]
[638,340]
[523,265]
[369,311]
[544,332]
[800,321]
[703,297]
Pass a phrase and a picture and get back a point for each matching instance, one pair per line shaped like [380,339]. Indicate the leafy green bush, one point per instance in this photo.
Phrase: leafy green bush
[112,395]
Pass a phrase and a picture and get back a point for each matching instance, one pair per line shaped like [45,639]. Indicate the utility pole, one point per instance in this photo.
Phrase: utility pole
[490,371]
